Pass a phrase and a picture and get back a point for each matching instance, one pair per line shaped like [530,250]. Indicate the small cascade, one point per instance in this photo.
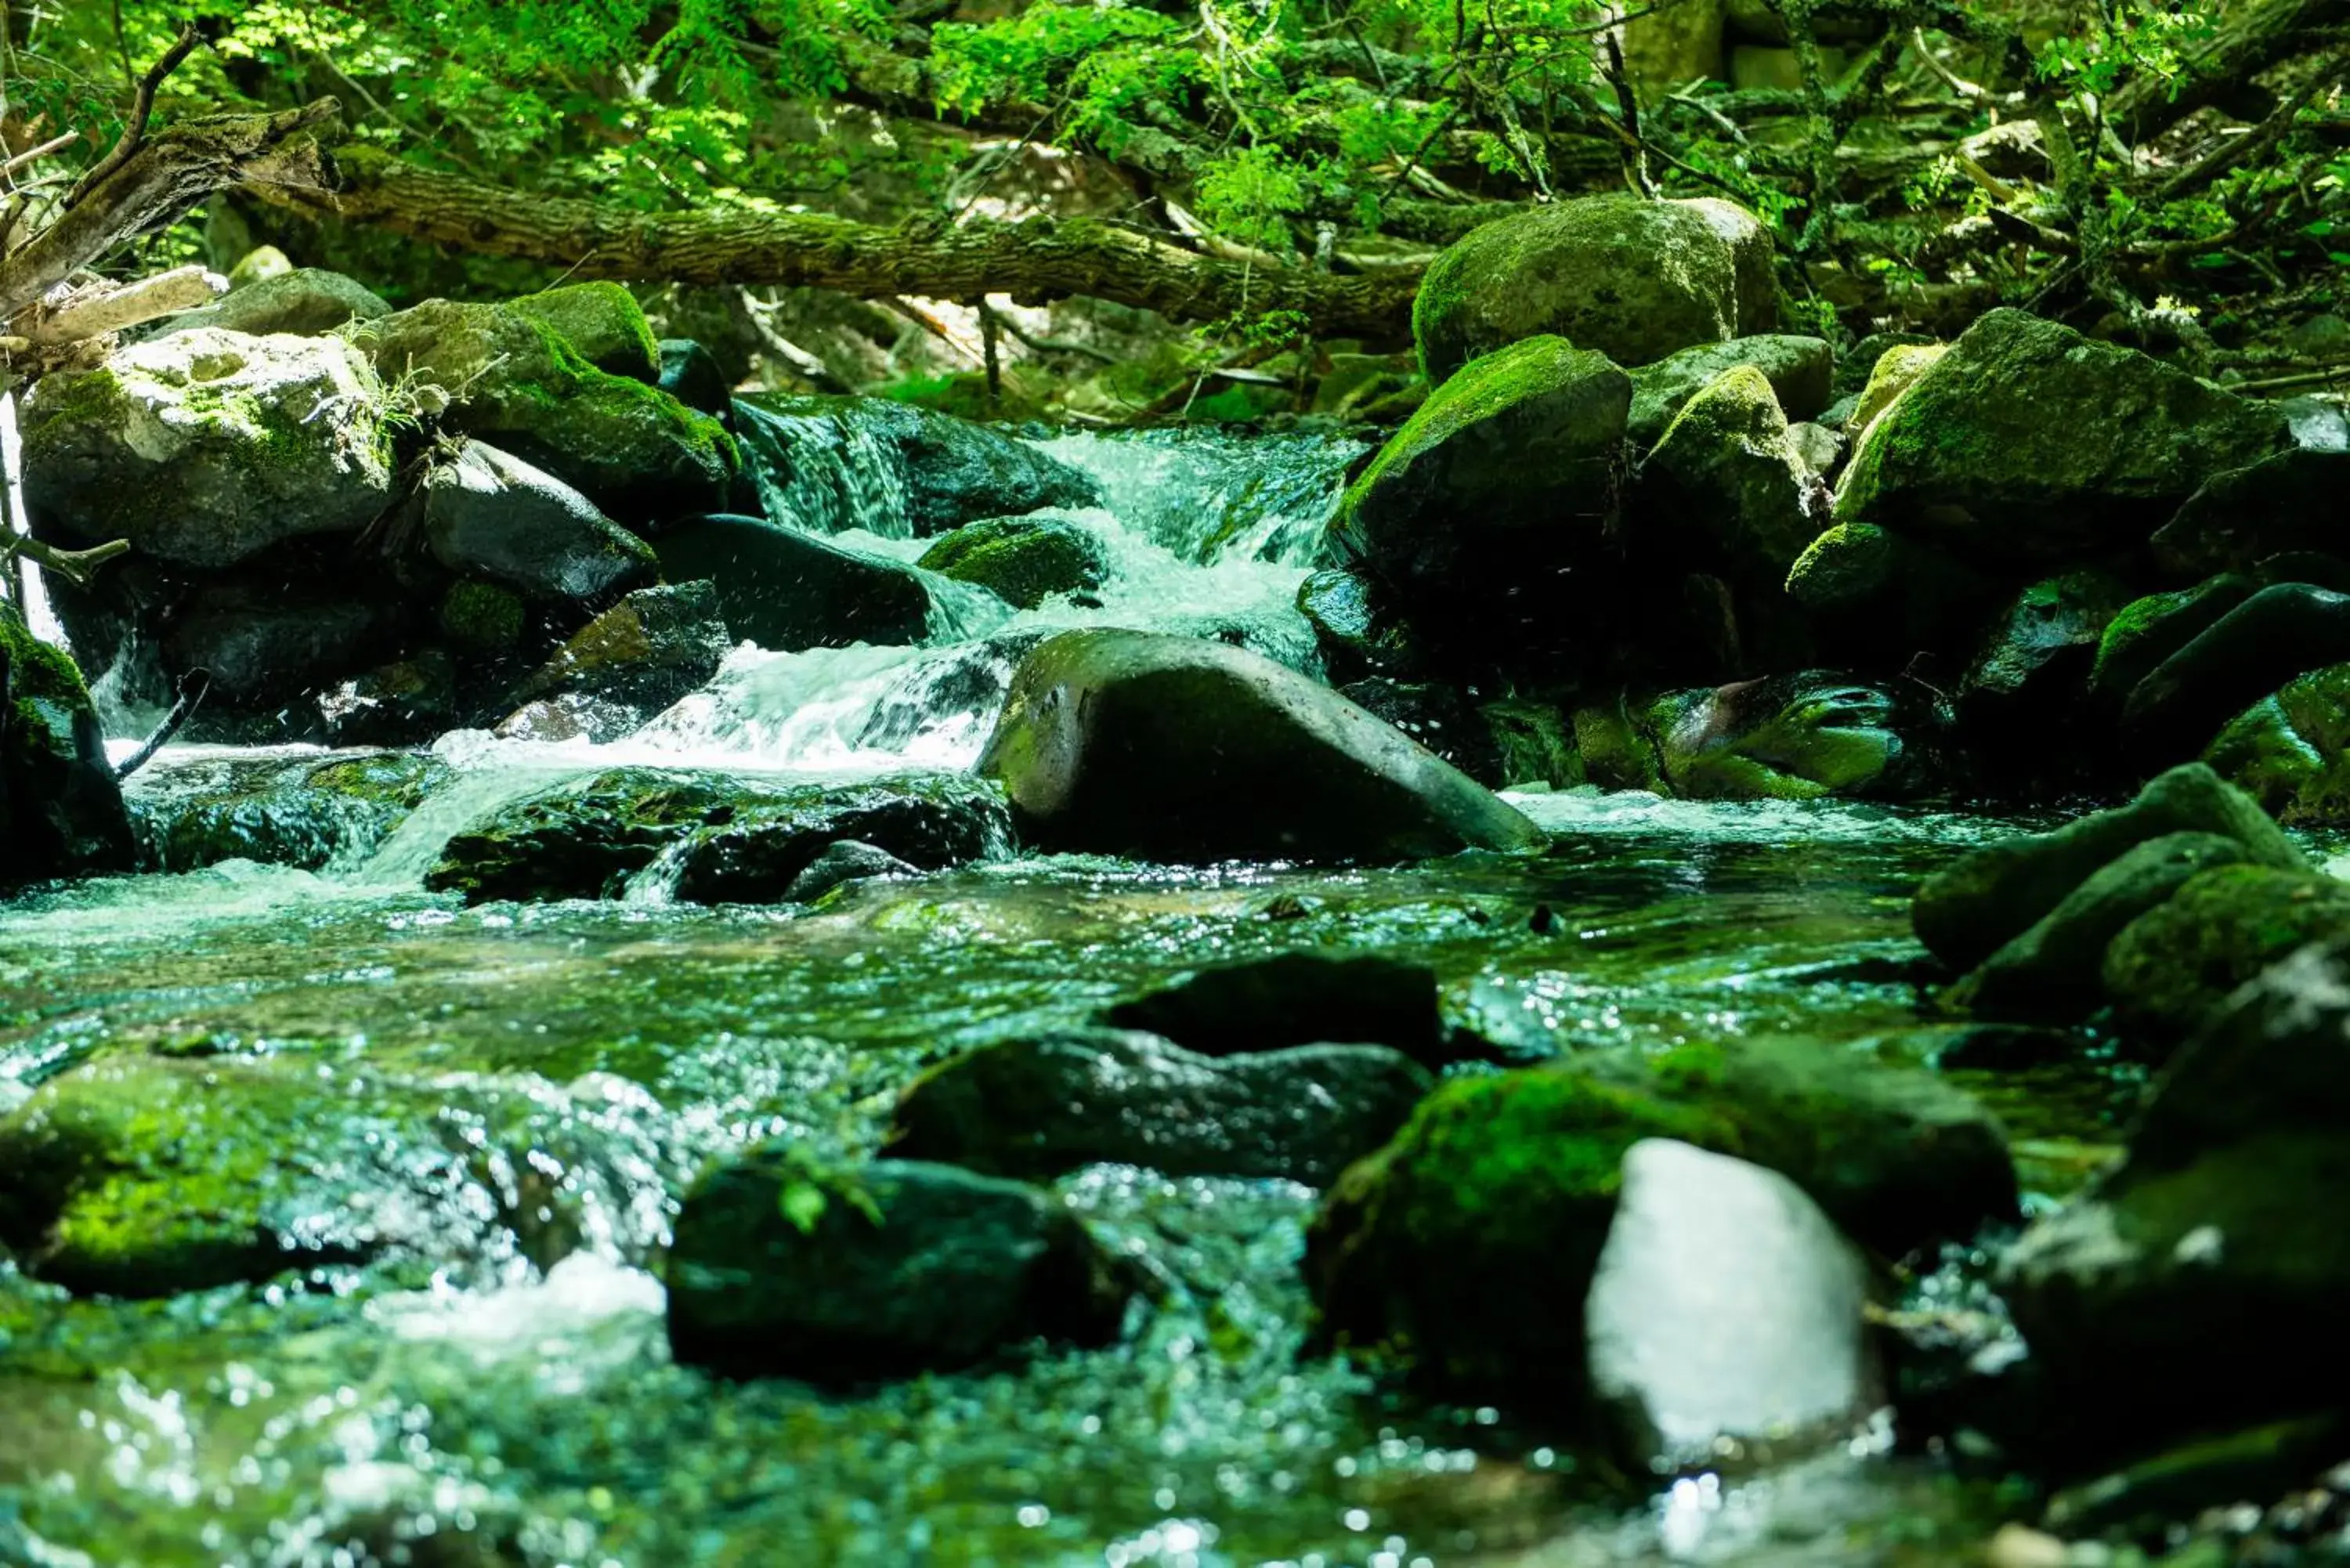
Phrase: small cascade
[826,475]
[1207,495]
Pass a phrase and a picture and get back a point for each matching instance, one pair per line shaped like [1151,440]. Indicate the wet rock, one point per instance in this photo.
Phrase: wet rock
[1821,448]
[2028,442]
[142,1176]
[1724,1305]
[1894,372]
[492,515]
[780,1268]
[603,321]
[818,459]
[1477,515]
[2148,630]
[2280,632]
[693,375]
[580,840]
[1023,560]
[1295,999]
[1355,640]
[2290,751]
[931,822]
[1632,280]
[2168,969]
[2055,971]
[61,812]
[2283,503]
[845,862]
[786,590]
[2146,1500]
[1968,911]
[1725,488]
[1799,370]
[304,814]
[307,302]
[1533,744]
[643,654]
[1884,596]
[507,377]
[1437,715]
[207,446]
[482,619]
[554,720]
[1040,1108]
[1795,737]
[2031,671]
[405,702]
[263,642]
[1173,748]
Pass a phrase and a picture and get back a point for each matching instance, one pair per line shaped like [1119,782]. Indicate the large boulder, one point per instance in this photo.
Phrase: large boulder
[263,641]
[305,301]
[207,446]
[1801,371]
[1023,560]
[1042,1108]
[1635,280]
[493,516]
[782,1267]
[2283,630]
[604,322]
[1484,510]
[1969,911]
[1725,491]
[2291,749]
[2028,442]
[1173,748]
[504,374]
[2173,966]
[61,812]
[788,590]
[830,463]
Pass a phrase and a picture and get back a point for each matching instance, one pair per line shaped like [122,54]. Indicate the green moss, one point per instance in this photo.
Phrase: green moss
[1025,560]
[603,322]
[2172,965]
[483,618]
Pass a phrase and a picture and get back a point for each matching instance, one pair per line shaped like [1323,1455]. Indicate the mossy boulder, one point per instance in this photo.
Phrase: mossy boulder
[2172,967]
[1022,560]
[2282,505]
[1180,749]
[142,1176]
[604,322]
[783,1267]
[505,374]
[1635,280]
[489,515]
[302,812]
[1039,1108]
[61,811]
[2028,442]
[1875,594]
[1726,491]
[1794,737]
[2283,630]
[305,301]
[207,446]
[1969,911]
[2290,751]
[643,654]
[930,822]
[1507,479]
[1895,372]
[2147,630]
[1800,370]
[788,590]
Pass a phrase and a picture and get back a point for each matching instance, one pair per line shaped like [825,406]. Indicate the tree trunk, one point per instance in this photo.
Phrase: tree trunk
[1034,260]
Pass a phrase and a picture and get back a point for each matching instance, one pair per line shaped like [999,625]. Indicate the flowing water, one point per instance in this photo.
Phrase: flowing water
[523,1410]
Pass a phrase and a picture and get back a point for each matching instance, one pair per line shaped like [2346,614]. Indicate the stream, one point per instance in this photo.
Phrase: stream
[526,1411]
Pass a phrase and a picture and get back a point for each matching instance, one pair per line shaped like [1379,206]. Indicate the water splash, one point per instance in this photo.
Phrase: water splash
[1207,495]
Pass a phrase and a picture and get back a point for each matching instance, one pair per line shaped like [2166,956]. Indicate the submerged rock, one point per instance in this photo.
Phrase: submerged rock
[205,447]
[490,515]
[1968,911]
[1172,747]
[849,860]
[305,813]
[1023,560]
[61,811]
[646,652]
[1798,369]
[781,1268]
[2170,968]
[1043,1107]
[1294,998]
[1633,279]
[2028,442]
[786,590]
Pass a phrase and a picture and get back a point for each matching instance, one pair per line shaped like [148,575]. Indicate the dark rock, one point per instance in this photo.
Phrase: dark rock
[579,840]
[492,515]
[1040,1108]
[693,375]
[2288,502]
[786,590]
[2168,969]
[1970,910]
[1883,596]
[782,1268]
[1633,279]
[2146,1500]
[931,822]
[1533,744]
[405,702]
[305,301]
[1437,715]
[482,619]
[2291,751]
[262,643]
[2055,971]
[643,654]
[2031,672]
[1798,369]
[2148,630]
[1295,999]
[554,720]
[847,861]
[1792,737]
[305,813]
[1355,640]
[61,812]
[1173,748]
[2028,442]
[1023,560]
[2280,632]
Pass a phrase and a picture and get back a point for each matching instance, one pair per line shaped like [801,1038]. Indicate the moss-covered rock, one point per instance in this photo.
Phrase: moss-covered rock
[929,821]
[2031,673]
[2169,969]
[61,812]
[2290,751]
[1800,370]
[1633,279]
[1023,560]
[1881,595]
[1968,911]
[1895,372]
[784,1268]
[1177,748]
[1354,638]
[1795,737]
[483,619]
[2145,631]
[2282,631]
[604,322]
[1042,1108]
[206,446]
[1725,490]
[302,812]
[2028,442]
